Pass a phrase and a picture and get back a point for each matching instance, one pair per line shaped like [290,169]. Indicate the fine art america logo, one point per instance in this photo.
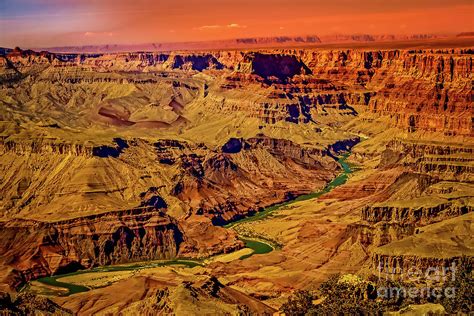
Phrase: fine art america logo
[432,279]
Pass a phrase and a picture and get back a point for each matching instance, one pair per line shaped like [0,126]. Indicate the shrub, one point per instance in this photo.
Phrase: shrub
[463,286]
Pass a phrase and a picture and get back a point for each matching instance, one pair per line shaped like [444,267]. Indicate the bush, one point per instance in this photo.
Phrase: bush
[341,296]
[463,286]
[352,295]
[347,295]
[298,304]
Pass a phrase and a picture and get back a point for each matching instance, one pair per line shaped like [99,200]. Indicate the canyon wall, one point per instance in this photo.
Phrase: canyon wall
[113,158]
[430,206]
[34,248]
[58,198]
[38,249]
[428,90]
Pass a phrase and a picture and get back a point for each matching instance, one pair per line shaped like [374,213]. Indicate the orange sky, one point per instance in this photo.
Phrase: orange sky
[42,23]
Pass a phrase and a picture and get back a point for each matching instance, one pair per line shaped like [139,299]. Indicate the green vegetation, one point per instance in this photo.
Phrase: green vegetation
[353,295]
[337,296]
[464,289]
[299,303]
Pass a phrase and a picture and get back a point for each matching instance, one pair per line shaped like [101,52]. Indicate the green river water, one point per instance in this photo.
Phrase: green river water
[339,180]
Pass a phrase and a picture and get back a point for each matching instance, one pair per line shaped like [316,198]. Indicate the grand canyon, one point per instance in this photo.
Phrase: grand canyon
[261,176]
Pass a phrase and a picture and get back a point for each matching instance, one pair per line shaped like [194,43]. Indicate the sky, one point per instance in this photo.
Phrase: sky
[46,23]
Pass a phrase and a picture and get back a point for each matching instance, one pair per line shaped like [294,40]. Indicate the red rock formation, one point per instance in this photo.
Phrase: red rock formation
[219,187]
[34,248]
[426,90]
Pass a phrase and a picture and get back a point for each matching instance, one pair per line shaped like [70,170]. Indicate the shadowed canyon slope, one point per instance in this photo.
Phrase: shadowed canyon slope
[111,159]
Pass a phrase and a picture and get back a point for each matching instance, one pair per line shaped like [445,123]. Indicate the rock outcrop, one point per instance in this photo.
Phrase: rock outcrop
[109,238]
[243,168]
[28,304]
[436,246]
[413,215]
[35,249]
[448,161]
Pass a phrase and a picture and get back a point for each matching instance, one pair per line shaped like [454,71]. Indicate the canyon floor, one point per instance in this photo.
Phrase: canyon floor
[226,181]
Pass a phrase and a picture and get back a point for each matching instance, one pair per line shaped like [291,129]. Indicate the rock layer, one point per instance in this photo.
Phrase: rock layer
[302,82]
[139,234]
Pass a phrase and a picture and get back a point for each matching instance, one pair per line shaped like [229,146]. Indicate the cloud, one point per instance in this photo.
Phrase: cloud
[208,27]
[236,26]
[217,26]
[91,34]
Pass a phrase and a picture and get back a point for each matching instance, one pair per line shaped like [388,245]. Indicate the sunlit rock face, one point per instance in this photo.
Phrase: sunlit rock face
[415,89]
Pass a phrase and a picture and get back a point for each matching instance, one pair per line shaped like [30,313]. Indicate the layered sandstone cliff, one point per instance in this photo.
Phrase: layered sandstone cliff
[298,85]
[35,248]
[429,248]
